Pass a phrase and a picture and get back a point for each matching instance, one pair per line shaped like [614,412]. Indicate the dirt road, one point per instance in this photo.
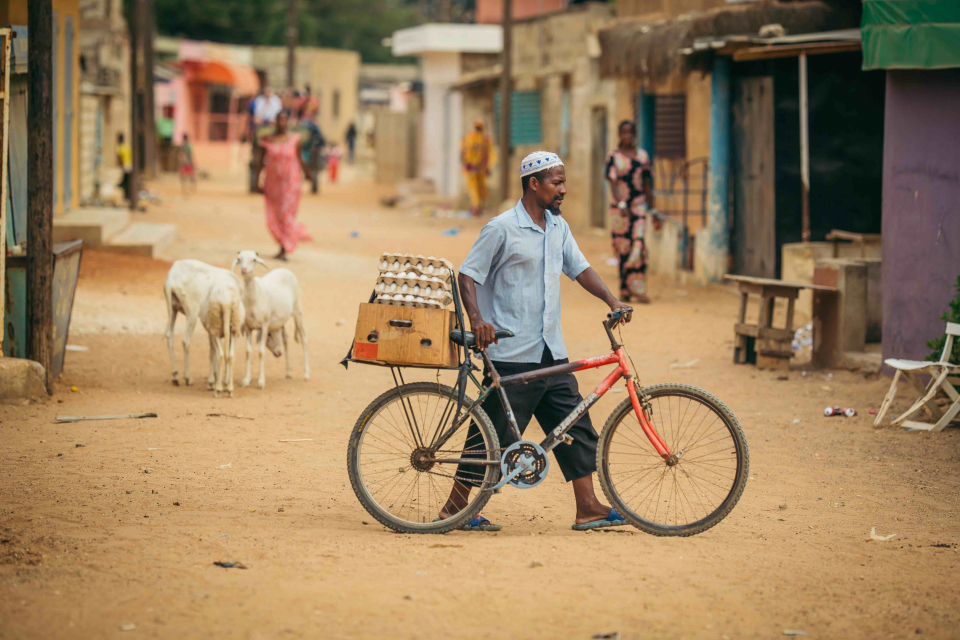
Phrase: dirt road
[90,542]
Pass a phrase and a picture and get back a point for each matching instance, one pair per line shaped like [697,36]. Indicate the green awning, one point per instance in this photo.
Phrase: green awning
[911,34]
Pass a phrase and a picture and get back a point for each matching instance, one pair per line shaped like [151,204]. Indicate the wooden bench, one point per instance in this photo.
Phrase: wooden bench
[762,343]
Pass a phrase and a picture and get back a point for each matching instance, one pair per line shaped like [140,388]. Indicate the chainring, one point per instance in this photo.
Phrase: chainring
[511,457]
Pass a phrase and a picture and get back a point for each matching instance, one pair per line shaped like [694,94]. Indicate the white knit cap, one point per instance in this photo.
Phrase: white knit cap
[538,161]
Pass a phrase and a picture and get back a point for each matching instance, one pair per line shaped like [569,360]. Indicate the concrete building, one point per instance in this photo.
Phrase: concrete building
[104,93]
[332,75]
[491,11]
[559,103]
[715,92]
[918,55]
[446,52]
[66,107]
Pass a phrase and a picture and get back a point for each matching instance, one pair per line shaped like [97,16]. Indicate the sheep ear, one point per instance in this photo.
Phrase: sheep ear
[260,260]
[235,261]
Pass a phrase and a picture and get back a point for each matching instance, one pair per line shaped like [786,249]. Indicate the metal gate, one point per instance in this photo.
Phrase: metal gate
[680,191]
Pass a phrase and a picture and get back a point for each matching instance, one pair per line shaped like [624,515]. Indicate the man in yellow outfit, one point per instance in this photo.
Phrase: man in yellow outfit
[475,156]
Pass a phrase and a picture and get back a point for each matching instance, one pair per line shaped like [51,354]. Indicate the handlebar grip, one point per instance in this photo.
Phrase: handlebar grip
[619,312]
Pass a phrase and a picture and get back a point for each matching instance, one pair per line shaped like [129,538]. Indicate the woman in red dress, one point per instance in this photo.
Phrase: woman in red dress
[282,184]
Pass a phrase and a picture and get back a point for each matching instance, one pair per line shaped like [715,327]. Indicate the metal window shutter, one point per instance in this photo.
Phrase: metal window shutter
[670,126]
[524,117]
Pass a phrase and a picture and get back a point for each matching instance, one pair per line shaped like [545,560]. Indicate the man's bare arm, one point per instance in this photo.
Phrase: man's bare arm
[484,331]
[590,280]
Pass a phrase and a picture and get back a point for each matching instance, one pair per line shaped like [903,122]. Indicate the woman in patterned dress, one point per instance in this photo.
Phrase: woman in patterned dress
[281,186]
[631,193]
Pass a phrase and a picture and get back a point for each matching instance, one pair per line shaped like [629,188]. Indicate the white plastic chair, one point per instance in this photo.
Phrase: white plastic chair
[943,375]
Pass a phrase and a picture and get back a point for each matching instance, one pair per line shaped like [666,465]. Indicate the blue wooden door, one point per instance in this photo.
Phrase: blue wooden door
[67,112]
[17,166]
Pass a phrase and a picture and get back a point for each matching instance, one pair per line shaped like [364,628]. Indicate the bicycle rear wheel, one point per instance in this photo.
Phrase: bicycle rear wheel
[701,488]
[399,473]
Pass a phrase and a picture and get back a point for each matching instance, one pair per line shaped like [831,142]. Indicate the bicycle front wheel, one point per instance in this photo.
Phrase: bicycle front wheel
[701,488]
[404,475]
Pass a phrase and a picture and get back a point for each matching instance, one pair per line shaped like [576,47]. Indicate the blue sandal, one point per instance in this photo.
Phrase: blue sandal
[613,519]
[477,523]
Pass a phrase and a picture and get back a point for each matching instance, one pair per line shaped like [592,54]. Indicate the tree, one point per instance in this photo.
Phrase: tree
[341,24]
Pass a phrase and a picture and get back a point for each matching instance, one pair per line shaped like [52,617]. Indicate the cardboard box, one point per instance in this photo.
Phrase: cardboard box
[405,336]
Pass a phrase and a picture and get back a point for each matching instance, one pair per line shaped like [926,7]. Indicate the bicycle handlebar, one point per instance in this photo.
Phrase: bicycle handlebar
[613,319]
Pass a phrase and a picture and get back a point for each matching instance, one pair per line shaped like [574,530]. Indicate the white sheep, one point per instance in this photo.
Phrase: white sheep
[269,302]
[188,283]
[222,314]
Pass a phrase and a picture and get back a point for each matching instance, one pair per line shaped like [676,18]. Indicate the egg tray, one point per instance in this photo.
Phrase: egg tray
[422,265]
[426,286]
[409,300]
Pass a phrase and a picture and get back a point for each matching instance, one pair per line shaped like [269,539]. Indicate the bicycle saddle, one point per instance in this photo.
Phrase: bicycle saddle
[467,339]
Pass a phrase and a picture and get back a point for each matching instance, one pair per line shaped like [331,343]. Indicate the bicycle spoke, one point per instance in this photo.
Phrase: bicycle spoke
[405,479]
[698,482]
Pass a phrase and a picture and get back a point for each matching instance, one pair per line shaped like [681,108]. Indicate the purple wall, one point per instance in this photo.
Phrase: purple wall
[921,207]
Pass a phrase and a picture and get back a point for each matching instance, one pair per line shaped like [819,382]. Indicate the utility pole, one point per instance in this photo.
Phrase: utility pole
[136,24]
[443,10]
[505,62]
[149,115]
[293,36]
[40,185]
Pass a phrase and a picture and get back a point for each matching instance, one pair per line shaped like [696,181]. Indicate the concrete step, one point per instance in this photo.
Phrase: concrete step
[94,225]
[143,239]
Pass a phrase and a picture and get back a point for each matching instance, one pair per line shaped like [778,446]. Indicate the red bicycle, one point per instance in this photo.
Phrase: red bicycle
[672,459]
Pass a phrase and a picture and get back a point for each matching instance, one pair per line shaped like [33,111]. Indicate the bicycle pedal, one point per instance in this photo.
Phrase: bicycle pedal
[567,439]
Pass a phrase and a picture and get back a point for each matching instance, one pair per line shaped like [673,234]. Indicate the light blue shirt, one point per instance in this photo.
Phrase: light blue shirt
[517,267]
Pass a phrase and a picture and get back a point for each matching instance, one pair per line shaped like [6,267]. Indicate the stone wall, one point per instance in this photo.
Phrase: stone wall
[553,54]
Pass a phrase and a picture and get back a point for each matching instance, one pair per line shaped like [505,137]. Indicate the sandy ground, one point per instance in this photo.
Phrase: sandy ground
[90,543]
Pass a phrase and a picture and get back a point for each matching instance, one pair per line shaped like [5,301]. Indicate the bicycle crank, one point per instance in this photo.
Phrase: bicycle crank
[524,465]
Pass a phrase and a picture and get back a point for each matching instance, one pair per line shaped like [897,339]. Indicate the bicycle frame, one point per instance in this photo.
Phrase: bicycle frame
[556,436]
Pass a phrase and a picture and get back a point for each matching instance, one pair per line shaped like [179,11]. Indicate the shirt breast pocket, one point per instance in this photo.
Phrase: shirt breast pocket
[554,256]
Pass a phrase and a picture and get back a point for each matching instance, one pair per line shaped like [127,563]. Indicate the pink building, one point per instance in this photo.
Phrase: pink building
[491,11]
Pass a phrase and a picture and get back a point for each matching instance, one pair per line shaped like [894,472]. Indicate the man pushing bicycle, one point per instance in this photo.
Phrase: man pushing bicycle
[511,281]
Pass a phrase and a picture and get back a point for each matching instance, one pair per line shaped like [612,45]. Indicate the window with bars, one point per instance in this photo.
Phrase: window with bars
[670,126]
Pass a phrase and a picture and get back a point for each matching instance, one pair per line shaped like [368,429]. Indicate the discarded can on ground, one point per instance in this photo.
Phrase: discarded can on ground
[832,411]
[849,412]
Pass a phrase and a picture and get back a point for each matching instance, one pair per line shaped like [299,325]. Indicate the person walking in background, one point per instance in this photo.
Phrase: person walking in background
[333,161]
[282,185]
[266,107]
[185,160]
[631,194]
[309,106]
[351,137]
[475,158]
[125,162]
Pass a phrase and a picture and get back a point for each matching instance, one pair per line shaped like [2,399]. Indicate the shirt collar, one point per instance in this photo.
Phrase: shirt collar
[525,221]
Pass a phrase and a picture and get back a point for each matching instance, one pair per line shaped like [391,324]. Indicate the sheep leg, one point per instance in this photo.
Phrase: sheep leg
[262,380]
[286,352]
[187,337]
[299,329]
[229,373]
[212,377]
[173,358]
[218,387]
[246,378]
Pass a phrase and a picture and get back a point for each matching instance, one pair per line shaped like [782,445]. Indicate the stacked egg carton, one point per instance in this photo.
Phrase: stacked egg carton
[414,281]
